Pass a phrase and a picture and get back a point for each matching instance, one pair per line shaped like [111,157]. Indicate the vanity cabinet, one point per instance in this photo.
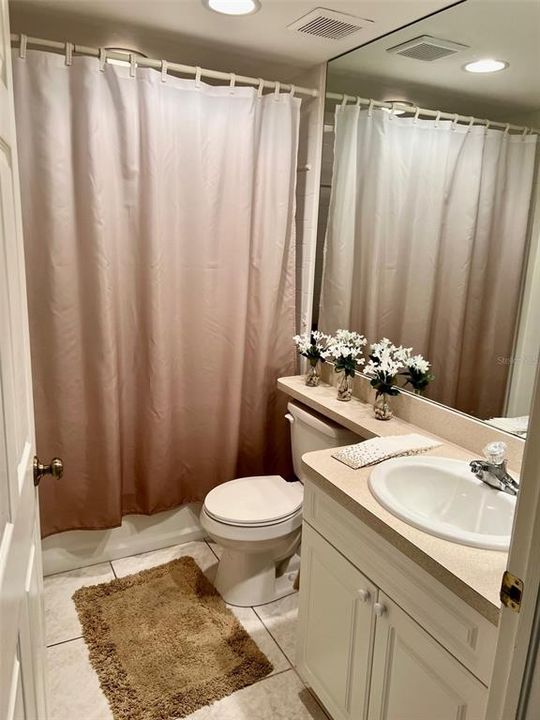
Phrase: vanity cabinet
[338,628]
[376,643]
[414,677]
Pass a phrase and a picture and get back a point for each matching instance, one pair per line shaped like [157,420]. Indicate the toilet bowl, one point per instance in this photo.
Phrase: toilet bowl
[257,521]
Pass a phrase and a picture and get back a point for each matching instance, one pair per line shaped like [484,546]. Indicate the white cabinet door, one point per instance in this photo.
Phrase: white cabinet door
[22,685]
[336,625]
[415,678]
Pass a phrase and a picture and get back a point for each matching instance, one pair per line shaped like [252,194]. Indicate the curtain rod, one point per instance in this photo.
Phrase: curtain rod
[437,114]
[163,65]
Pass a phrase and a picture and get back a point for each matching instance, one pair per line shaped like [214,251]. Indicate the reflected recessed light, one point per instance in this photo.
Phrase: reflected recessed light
[488,65]
[233,7]
[398,107]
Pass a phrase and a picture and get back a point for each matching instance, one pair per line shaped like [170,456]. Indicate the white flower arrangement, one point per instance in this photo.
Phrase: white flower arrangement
[312,345]
[386,361]
[418,373]
[345,348]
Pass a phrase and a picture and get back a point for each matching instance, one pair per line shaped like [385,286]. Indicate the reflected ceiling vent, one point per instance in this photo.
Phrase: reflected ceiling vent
[427,48]
[323,23]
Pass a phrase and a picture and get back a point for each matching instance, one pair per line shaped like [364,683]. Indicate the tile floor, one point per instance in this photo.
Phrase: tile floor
[74,690]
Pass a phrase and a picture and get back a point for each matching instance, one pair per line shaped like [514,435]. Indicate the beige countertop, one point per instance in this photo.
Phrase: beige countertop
[472,574]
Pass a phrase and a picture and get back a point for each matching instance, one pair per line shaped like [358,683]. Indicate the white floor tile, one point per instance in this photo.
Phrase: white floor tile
[280,619]
[61,621]
[74,691]
[198,550]
[282,697]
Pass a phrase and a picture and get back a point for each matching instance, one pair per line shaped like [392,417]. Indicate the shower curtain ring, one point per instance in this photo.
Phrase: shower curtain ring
[471,122]
[437,118]
[102,59]
[358,103]
[164,67]
[488,123]
[455,122]
[198,73]
[524,133]
[416,114]
[132,65]
[22,46]
[506,129]
[69,53]
[260,88]
[292,90]
[276,91]
[232,83]
[370,108]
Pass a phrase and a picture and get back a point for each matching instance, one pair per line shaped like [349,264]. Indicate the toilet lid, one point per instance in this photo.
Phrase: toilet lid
[254,500]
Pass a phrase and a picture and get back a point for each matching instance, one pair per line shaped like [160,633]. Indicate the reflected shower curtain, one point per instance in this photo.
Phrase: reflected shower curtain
[158,222]
[425,245]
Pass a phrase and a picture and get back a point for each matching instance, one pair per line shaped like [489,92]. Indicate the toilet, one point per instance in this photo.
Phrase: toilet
[257,521]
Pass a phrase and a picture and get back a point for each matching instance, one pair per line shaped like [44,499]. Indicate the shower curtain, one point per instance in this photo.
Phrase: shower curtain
[425,244]
[159,233]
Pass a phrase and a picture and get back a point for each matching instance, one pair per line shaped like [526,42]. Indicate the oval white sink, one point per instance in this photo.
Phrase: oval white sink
[442,497]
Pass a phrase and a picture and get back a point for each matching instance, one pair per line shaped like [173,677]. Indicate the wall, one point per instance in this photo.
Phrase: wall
[528,332]
[307,193]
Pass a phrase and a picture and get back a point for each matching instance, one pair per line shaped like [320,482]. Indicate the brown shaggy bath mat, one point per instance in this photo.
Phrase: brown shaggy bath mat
[164,644]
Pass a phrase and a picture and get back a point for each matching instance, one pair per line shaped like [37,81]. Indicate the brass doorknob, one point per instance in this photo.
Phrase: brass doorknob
[55,468]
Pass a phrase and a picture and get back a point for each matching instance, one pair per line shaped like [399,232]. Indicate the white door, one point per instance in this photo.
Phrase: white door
[336,624]
[415,678]
[22,686]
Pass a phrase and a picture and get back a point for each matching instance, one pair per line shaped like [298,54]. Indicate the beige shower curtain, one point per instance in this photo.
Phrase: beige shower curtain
[158,221]
[425,245]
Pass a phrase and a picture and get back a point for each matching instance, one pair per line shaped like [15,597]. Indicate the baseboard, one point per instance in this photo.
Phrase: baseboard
[137,534]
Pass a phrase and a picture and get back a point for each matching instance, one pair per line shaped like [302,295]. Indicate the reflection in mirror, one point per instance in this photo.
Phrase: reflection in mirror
[429,223]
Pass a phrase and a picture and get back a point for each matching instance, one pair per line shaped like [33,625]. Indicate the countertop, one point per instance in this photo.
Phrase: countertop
[472,574]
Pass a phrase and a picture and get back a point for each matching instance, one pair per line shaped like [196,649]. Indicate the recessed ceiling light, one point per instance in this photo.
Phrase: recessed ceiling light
[233,7]
[488,65]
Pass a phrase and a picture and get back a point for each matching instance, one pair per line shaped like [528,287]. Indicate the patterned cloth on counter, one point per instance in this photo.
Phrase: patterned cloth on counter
[370,452]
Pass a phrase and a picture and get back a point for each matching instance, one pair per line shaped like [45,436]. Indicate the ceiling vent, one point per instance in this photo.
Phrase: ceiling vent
[323,23]
[427,48]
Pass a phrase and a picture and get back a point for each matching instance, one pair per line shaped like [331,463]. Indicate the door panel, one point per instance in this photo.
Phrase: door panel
[22,686]
[336,628]
[415,678]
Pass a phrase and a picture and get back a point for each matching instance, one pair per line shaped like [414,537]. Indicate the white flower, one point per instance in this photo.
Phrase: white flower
[386,360]
[346,346]
[418,364]
[312,345]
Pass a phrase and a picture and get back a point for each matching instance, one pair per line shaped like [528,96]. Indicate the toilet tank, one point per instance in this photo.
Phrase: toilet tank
[311,431]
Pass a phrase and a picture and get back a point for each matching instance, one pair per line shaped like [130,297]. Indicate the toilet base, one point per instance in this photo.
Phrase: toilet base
[247,580]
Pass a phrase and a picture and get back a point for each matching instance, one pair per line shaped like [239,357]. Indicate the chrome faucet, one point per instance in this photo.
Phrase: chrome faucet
[493,470]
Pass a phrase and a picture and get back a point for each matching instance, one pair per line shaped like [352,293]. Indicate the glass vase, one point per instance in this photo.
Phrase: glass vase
[313,374]
[344,388]
[381,407]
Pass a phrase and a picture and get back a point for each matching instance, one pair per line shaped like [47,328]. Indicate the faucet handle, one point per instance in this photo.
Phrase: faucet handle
[495,452]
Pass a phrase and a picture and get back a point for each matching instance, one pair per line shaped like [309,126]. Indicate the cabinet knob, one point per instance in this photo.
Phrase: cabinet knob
[364,595]
[379,609]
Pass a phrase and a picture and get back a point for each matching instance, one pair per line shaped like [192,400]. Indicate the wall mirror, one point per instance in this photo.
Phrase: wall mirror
[429,224]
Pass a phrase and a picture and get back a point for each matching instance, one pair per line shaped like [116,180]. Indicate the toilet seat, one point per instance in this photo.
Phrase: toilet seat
[253,502]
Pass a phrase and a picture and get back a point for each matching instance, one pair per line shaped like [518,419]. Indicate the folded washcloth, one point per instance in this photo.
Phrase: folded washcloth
[378,449]
[516,425]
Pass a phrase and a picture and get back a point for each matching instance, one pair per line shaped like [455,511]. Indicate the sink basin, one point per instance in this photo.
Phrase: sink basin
[442,497]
